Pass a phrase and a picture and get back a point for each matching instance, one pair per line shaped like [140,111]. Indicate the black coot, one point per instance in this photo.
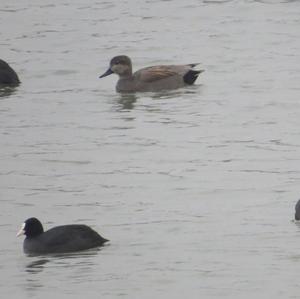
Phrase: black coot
[59,239]
[7,75]
[297,210]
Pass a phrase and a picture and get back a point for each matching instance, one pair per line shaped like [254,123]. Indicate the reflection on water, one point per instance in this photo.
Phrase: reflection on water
[36,266]
[126,101]
[177,93]
[33,279]
[7,91]
[63,256]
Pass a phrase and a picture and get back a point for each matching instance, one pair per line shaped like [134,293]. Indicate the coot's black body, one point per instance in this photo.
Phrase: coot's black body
[7,75]
[59,239]
[297,210]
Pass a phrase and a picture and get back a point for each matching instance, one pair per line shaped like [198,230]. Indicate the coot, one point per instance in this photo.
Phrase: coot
[297,210]
[7,75]
[59,239]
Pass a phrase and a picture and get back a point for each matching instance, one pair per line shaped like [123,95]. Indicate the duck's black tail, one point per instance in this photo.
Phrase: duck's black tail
[191,76]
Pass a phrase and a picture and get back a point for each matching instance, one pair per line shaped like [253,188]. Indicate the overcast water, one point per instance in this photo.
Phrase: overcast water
[195,188]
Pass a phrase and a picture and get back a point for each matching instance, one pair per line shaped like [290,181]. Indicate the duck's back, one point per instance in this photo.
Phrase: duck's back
[160,72]
[161,77]
[66,238]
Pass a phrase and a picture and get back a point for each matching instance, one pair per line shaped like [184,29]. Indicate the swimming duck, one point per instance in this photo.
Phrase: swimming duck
[153,78]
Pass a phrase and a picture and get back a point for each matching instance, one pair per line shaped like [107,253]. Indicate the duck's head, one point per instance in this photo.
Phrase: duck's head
[32,227]
[120,65]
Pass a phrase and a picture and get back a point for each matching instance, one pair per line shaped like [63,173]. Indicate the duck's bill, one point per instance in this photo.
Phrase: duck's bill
[21,231]
[107,73]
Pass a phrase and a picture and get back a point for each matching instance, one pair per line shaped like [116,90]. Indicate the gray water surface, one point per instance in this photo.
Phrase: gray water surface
[195,188]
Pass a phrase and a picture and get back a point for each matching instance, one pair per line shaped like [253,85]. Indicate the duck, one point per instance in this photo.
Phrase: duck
[153,78]
[7,75]
[59,239]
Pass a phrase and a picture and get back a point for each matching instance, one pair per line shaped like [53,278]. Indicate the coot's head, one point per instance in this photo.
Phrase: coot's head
[32,227]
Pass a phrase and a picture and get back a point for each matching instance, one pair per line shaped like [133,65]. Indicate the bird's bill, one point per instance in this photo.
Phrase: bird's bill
[21,231]
[107,73]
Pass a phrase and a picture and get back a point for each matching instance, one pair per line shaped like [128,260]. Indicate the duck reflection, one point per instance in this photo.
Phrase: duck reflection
[127,101]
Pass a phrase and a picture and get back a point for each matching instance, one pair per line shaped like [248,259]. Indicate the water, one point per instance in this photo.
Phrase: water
[195,188]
